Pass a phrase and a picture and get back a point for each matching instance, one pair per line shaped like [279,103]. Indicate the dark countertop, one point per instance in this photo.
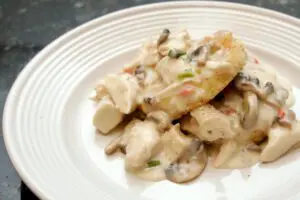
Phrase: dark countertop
[26,26]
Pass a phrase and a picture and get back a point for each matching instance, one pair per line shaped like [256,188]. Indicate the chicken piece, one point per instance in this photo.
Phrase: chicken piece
[124,90]
[161,118]
[148,54]
[138,142]
[281,139]
[99,92]
[197,86]
[107,116]
[169,69]
[174,143]
[209,124]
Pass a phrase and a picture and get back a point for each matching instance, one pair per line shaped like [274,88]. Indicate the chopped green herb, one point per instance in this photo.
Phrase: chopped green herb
[153,163]
[175,53]
[186,74]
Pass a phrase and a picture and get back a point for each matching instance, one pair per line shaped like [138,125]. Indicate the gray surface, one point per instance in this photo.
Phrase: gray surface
[26,26]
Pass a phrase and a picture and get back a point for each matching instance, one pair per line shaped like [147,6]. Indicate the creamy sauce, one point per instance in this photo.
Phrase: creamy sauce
[242,158]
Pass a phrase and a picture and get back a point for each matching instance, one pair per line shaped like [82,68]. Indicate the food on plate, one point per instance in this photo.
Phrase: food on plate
[184,101]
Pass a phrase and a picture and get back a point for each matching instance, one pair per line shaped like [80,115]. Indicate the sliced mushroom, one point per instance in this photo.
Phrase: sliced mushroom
[107,116]
[268,89]
[124,89]
[189,165]
[245,82]
[280,140]
[263,84]
[140,73]
[113,146]
[251,109]
[175,53]
[201,54]
[161,118]
[163,36]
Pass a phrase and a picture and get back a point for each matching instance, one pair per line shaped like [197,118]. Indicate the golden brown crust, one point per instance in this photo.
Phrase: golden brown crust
[234,59]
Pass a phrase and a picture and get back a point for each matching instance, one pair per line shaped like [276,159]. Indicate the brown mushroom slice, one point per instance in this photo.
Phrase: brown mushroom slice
[264,84]
[213,124]
[161,118]
[200,55]
[190,165]
[281,139]
[163,36]
[251,109]
[123,89]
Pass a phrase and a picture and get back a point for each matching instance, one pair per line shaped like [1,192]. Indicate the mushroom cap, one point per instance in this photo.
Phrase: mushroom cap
[189,165]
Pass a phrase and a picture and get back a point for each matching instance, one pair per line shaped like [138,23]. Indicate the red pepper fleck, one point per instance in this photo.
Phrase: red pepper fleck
[280,113]
[129,70]
[228,110]
[186,91]
[256,61]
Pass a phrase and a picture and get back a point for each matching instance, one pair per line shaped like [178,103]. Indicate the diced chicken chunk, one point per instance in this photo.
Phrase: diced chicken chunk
[281,139]
[140,140]
[211,124]
[124,89]
[107,116]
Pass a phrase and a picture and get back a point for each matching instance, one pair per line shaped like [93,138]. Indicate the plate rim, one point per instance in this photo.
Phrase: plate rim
[30,66]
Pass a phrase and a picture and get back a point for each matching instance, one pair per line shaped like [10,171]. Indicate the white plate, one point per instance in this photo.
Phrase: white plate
[47,117]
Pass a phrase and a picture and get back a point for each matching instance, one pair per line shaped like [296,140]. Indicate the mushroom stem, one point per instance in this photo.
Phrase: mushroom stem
[251,108]
[163,36]
[113,146]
